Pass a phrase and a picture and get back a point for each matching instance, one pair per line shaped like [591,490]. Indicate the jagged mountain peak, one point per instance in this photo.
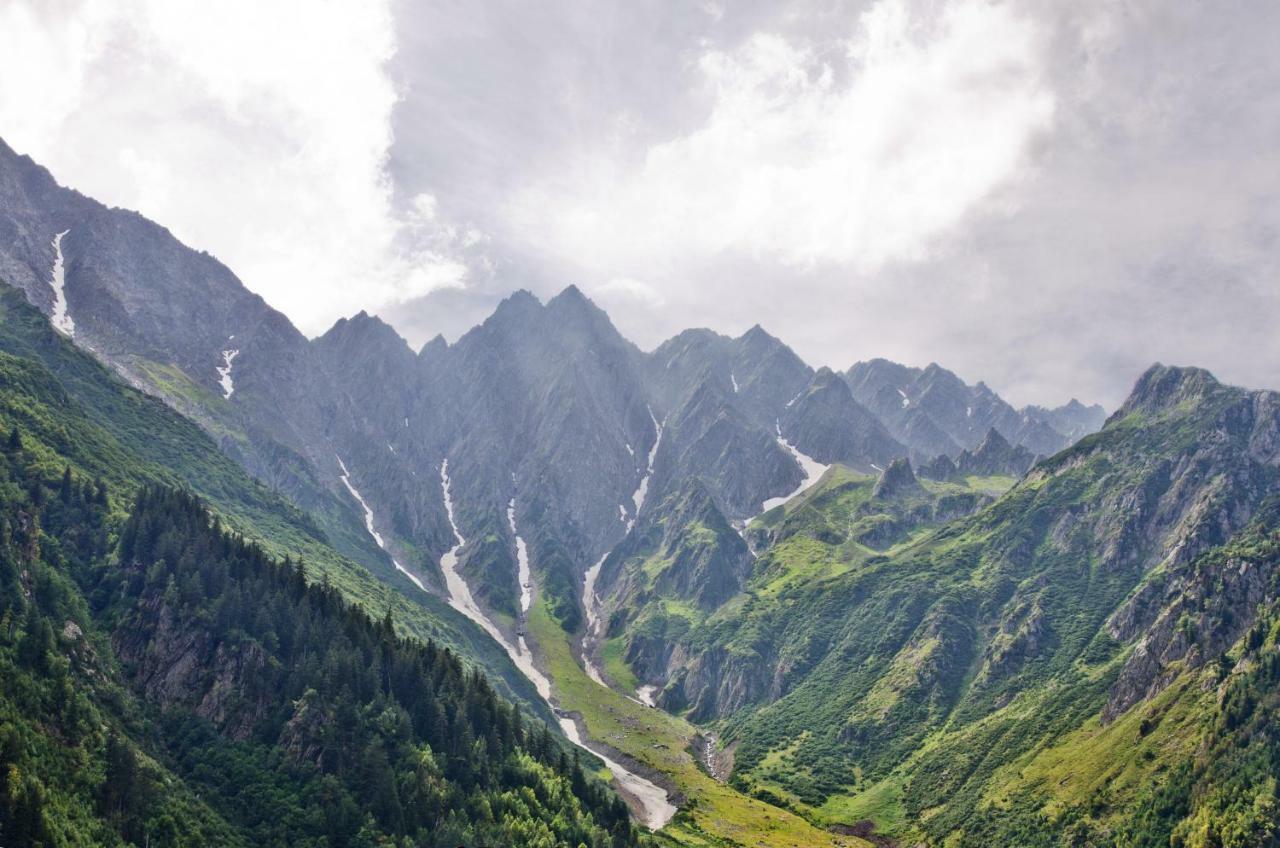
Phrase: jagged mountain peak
[520,302]
[572,308]
[363,334]
[1162,387]
[362,324]
[571,293]
[885,369]
[996,456]
[993,440]
[896,480]
[758,341]
[824,382]
[941,468]
[434,347]
[694,336]
[825,376]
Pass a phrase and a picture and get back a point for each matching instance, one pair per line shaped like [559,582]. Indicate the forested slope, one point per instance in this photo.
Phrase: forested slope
[168,683]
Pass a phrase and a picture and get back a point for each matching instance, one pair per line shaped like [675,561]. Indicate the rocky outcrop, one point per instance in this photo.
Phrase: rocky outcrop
[898,480]
[941,468]
[995,456]
[176,663]
[718,682]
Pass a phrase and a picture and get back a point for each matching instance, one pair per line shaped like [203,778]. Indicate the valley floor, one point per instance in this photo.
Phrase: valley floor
[711,813]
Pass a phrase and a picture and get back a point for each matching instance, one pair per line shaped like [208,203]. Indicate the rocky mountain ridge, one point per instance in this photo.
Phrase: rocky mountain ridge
[545,408]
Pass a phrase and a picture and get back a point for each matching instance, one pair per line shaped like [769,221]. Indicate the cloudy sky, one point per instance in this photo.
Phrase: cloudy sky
[1048,196]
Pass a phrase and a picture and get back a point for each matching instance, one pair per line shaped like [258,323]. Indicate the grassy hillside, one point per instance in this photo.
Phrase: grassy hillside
[1061,660]
[712,814]
[1044,669]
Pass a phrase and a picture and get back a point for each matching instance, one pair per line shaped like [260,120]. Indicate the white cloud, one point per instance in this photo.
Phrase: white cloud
[628,292]
[856,159]
[256,130]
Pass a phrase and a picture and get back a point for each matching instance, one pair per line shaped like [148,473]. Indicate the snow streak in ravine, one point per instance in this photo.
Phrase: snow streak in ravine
[652,799]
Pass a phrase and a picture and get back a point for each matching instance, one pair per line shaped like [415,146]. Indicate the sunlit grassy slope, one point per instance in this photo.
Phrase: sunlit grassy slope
[713,814]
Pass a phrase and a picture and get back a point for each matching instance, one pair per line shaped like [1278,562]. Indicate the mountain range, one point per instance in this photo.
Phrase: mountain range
[877,604]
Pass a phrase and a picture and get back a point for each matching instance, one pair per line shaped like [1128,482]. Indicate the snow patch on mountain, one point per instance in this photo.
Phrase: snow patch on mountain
[61,318]
[591,604]
[369,522]
[643,489]
[657,808]
[810,467]
[224,374]
[523,572]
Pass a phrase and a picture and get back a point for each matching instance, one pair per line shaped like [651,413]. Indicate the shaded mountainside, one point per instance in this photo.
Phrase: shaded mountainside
[182,687]
[826,423]
[73,411]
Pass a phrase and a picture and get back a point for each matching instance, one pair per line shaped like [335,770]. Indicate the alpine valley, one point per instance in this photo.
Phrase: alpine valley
[539,587]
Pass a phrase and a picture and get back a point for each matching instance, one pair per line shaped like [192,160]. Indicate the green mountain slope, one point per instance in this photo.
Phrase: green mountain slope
[1002,676]
[74,412]
[167,683]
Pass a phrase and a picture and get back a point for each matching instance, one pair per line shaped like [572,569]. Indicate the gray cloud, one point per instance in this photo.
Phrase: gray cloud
[1045,196]
[1140,225]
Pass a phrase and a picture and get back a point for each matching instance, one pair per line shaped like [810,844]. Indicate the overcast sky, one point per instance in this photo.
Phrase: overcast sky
[1047,196]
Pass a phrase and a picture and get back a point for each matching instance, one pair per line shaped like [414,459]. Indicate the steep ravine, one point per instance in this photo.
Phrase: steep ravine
[811,468]
[655,810]
[368,523]
[591,600]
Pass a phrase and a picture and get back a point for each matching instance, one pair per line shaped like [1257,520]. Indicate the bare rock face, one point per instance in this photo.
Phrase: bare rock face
[941,468]
[932,411]
[995,456]
[898,480]
[176,664]
[825,422]
[718,682]
[301,738]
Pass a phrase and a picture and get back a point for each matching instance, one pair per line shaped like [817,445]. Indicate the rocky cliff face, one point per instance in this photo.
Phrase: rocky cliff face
[898,480]
[825,422]
[995,456]
[739,461]
[932,411]
[543,408]
[176,664]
